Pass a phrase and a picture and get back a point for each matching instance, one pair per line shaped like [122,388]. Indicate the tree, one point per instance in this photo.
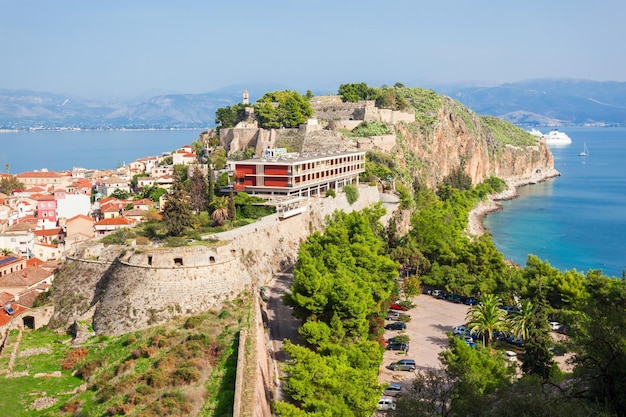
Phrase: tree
[232,211]
[356,92]
[520,321]
[9,184]
[475,373]
[177,213]
[229,116]
[598,339]
[198,192]
[120,194]
[486,317]
[352,193]
[282,109]
[220,210]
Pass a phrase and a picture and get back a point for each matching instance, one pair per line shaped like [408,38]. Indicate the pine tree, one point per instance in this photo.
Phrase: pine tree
[177,213]
[198,190]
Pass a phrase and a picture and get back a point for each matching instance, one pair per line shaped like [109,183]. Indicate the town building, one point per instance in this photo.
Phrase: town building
[296,175]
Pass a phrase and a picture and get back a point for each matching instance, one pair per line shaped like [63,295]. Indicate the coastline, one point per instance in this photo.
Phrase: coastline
[475,225]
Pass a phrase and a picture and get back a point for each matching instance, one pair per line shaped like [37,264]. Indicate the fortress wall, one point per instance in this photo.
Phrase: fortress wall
[234,139]
[384,142]
[148,286]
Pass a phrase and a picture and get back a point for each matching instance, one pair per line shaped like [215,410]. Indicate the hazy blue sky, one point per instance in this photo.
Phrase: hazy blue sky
[121,49]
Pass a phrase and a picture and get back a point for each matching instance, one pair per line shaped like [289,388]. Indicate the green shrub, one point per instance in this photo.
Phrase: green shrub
[331,193]
[352,193]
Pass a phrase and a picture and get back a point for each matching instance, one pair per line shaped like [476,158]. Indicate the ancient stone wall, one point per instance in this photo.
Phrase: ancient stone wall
[145,286]
[383,143]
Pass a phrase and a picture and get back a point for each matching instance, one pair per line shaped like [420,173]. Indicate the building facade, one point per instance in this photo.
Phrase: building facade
[296,175]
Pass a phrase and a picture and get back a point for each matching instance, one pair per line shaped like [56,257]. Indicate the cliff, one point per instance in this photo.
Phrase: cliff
[450,138]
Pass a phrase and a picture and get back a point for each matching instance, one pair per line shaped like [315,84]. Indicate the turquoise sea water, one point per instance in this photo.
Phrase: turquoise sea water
[577,220]
[63,150]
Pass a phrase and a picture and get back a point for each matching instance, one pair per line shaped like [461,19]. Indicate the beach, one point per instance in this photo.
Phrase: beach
[475,225]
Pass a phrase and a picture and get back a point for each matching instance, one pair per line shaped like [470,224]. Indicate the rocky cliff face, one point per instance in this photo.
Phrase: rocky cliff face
[457,139]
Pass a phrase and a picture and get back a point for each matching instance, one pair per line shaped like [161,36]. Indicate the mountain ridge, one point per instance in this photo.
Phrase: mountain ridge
[539,102]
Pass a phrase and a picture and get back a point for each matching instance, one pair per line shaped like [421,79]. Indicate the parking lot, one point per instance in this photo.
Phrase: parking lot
[431,318]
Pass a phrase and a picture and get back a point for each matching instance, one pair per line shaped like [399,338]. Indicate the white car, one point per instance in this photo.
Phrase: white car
[554,325]
[510,356]
[386,404]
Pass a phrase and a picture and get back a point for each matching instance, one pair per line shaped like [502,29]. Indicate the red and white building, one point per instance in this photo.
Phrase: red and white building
[297,175]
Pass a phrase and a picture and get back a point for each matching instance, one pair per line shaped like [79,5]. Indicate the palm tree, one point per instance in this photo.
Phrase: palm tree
[521,321]
[486,317]
[220,210]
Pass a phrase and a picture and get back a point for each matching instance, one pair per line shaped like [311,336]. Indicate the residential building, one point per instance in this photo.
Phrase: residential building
[19,238]
[11,263]
[78,229]
[25,279]
[45,179]
[106,226]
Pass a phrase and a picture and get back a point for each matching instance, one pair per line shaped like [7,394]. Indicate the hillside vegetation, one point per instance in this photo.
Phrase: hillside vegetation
[186,367]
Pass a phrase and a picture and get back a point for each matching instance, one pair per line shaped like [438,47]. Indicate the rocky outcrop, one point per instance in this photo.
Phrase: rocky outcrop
[459,140]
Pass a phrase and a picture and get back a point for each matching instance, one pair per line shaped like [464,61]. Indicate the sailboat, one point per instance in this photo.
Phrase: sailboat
[585,152]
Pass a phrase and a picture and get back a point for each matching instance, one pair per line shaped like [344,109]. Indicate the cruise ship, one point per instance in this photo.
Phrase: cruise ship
[554,137]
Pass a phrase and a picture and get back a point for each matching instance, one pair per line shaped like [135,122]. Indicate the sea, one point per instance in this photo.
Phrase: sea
[59,150]
[574,221]
[577,220]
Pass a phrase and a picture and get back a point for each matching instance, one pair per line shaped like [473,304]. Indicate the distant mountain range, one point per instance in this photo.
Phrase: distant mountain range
[549,102]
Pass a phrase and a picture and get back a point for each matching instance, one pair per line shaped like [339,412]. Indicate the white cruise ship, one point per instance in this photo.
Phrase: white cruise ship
[554,137]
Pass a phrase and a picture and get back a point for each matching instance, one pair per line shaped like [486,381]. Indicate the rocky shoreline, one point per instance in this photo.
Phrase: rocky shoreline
[475,225]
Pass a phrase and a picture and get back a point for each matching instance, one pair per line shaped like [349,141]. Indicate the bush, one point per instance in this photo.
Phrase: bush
[193,322]
[352,193]
[73,358]
[331,193]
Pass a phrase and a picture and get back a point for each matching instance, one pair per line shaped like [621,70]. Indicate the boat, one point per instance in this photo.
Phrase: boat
[556,137]
[535,132]
[585,151]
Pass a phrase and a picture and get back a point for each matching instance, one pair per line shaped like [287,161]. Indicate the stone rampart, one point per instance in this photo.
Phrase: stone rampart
[145,286]
[384,143]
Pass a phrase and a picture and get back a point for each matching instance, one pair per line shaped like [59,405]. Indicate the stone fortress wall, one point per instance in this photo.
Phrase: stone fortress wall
[333,114]
[145,286]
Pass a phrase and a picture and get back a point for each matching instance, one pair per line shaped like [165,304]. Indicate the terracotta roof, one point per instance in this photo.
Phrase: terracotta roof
[27,298]
[21,227]
[5,318]
[36,190]
[116,221]
[135,213]
[26,277]
[49,232]
[79,216]
[40,174]
[33,262]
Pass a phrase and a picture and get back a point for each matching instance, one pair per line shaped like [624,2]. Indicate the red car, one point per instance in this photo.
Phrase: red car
[398,307]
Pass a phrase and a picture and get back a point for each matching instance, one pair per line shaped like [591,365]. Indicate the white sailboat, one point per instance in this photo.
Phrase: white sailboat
[585,152]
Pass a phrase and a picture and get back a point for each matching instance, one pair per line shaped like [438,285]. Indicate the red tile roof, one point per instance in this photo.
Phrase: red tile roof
[26,277]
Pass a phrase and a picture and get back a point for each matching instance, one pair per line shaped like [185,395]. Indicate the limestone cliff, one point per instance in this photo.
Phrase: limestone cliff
[452,138]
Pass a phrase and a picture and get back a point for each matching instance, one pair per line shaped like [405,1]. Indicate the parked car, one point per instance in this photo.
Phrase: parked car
[386,404]
[562,329]
[393,390]
[403,365]
[510,356]
[398,346]
[470,301]
[436,293]
[554,325]
[393,315]
[400,307]
[397,325]
[470,342]
[459,330]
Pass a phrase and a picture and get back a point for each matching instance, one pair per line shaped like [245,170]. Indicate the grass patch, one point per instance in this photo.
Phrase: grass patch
[166,370]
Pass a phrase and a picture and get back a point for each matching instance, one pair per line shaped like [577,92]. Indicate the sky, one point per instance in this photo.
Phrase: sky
[123,49]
